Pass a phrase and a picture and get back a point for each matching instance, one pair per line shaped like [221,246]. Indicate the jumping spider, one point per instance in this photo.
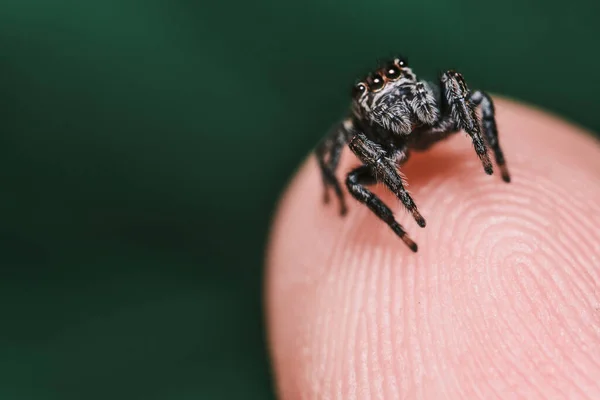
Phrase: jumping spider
[393,113]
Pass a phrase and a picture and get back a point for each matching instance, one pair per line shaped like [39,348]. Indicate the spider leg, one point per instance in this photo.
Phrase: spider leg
[328,154]
[356,181]
[384,170]
[490,131]
[456,100]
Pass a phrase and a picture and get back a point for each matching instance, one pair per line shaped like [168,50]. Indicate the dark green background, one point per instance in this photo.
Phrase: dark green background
[143,145]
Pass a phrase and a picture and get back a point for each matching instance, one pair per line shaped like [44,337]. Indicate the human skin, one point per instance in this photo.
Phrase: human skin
[501,302]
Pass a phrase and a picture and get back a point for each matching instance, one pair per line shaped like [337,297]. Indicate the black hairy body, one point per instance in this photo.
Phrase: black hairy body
[394,113]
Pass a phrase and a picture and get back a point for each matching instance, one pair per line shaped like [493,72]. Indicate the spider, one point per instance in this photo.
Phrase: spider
[392,113]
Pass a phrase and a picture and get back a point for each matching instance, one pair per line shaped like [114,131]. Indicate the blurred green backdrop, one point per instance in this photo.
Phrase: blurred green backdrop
[143,145]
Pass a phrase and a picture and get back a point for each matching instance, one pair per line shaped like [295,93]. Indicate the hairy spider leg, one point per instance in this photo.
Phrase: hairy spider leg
[455,99]
[490,130]
[331,148]
[372,155]
[356,181]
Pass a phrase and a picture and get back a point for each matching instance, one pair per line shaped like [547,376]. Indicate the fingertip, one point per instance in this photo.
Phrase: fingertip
[346,289]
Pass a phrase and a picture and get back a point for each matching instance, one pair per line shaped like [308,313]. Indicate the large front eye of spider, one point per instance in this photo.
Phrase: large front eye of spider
[358,89]
[376,82]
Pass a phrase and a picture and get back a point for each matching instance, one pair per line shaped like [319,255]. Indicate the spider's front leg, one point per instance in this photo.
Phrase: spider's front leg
[328,154]
[383,168]
[356,181]
[490,130]
[456,100]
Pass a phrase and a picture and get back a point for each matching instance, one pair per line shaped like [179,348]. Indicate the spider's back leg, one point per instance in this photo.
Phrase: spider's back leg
[328,154]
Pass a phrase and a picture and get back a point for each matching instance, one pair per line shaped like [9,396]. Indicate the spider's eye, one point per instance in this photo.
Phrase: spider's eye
[358,89]
[376,82]
[401,62]
[392,72]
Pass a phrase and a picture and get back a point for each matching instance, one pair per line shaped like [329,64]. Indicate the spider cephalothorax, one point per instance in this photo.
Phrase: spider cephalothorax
[393,113]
